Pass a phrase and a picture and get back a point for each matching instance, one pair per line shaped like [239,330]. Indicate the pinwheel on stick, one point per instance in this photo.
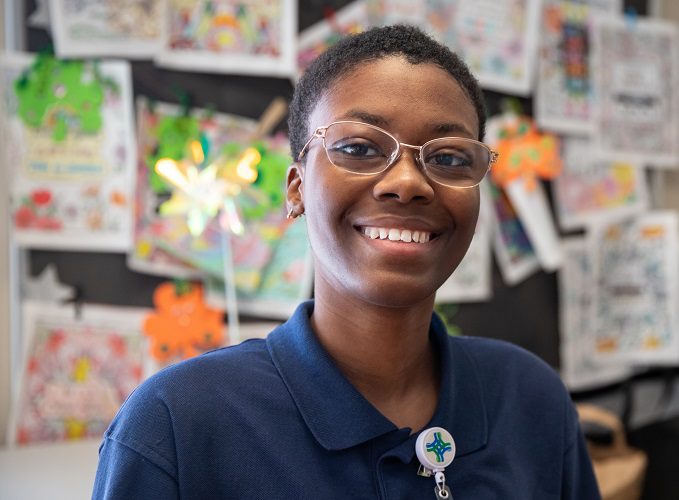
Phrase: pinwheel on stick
[206,188]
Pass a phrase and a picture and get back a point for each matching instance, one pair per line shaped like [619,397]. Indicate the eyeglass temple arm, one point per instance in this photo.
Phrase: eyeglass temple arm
[494,155]
[319,132]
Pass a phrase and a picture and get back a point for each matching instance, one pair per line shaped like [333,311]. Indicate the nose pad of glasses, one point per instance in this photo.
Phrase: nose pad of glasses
[395,155]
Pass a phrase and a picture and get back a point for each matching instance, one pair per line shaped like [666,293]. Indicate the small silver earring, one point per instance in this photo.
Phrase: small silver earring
[293,215]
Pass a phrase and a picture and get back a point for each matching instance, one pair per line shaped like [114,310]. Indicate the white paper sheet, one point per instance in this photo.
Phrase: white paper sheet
[636,273]
[228,36]
[472,280]
[77,370]
[591,187]
[513,250]
[580,369]
[71,188]
[635,65]
[95,28]
[563,98]
[497,39]
[386,12]
[314,40]
[536,217]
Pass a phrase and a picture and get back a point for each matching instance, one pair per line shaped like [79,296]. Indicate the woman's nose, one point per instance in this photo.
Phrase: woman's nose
[404,180]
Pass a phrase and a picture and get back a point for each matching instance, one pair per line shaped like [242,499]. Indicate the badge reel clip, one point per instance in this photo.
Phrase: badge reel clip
[435,449]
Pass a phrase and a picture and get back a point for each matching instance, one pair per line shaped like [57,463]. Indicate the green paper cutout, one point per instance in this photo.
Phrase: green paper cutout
[172,135]
[62,95]
[270,181]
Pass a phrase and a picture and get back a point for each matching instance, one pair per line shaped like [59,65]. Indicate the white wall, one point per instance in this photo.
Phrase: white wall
[4,275]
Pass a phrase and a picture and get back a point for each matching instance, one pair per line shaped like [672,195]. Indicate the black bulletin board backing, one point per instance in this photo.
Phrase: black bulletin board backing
[525,314]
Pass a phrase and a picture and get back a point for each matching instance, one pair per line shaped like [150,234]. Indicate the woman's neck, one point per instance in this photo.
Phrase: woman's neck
[385,353]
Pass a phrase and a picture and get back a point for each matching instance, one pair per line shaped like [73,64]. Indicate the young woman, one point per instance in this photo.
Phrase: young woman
[362,394]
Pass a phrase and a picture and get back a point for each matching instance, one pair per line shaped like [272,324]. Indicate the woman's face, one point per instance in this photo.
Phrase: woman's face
[415,103]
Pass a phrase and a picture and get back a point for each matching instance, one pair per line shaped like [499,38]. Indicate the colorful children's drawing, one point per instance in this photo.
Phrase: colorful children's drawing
[70,151]
[497,39]
[499,42]
[386,12]
[165,131]
[563,99]
[316,39]
[591,187]
[97,28]
[76,371]
[513,250]
[580,369]
[636,274]
[637,105]
[286,281]
[230,36]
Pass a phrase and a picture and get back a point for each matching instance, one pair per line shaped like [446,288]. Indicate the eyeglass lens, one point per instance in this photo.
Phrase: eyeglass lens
[363,149]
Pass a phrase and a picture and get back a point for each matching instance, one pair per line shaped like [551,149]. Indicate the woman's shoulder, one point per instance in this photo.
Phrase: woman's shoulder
[237,364]
[512,381]
[499,360]
[485,346]
[196,381]
[224,358]
[198,387]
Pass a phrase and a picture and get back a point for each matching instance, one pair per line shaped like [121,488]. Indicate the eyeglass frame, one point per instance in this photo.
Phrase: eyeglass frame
[419,160]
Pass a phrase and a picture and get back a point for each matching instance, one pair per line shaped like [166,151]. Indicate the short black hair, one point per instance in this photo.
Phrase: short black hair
[375,43]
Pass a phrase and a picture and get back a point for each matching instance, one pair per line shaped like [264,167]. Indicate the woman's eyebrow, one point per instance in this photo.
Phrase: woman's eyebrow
[364,116]
[448,128]
[453,128]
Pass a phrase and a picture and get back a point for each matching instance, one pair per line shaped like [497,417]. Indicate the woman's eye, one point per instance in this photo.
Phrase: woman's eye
[449,159]
[357,149]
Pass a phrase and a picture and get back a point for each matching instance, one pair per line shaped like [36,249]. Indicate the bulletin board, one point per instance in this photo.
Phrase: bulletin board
[526,313]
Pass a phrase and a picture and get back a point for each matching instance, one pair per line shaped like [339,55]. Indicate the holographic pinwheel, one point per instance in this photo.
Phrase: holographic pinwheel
[204,191]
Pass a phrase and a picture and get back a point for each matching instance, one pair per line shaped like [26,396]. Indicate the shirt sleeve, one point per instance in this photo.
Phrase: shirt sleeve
[137,458]
[578,481]
[125,473]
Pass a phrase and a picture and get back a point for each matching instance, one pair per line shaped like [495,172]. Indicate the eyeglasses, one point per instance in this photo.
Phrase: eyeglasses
[365,149]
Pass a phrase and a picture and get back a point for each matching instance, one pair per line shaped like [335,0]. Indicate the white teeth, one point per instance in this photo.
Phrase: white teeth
[405,235]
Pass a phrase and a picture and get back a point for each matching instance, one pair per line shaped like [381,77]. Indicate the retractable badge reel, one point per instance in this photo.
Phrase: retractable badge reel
[435,450]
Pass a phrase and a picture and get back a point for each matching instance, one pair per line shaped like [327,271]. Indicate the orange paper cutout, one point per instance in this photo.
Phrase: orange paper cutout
[182,324]
[525,154]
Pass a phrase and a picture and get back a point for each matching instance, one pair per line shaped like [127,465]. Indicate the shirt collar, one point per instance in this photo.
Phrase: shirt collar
[339,417]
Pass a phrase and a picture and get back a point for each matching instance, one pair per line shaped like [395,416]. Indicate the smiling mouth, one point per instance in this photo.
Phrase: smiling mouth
[394,234]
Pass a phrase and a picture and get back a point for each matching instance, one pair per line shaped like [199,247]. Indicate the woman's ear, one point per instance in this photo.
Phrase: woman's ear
[295,191]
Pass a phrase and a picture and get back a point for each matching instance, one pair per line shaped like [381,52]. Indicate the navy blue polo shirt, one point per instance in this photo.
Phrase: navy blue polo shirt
[275,418]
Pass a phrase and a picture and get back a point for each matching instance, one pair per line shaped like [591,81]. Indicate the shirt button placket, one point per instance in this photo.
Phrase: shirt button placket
[381,487]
